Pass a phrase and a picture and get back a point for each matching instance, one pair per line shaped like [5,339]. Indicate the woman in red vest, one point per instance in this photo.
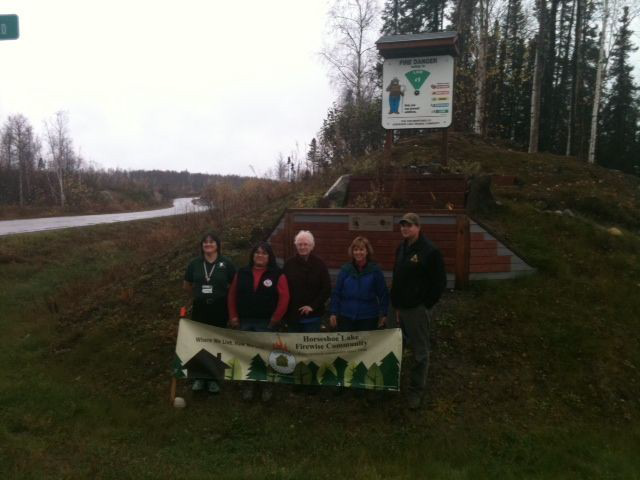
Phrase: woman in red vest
[258,299]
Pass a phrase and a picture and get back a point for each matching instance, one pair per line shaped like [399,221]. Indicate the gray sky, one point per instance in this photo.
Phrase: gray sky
[208,86]
[204,85]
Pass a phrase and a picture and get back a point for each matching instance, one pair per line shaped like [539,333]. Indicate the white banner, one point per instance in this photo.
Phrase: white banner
[369,359]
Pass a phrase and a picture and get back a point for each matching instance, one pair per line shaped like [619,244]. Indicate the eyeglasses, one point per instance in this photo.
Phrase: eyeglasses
[261,253]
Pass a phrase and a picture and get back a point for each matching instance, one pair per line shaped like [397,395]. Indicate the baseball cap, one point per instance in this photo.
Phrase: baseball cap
[410,218]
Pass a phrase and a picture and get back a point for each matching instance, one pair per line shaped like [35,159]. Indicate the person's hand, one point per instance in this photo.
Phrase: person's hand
[234,322]
[306,310]
[333,321]
[273,325]
[382,322]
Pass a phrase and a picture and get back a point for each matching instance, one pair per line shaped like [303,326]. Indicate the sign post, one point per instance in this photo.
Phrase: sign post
[9,27]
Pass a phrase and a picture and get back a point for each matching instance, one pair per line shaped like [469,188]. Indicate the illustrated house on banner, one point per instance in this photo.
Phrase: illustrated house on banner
[206,365]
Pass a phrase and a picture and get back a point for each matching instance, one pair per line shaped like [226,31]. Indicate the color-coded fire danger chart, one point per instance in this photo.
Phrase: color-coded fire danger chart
[417,92]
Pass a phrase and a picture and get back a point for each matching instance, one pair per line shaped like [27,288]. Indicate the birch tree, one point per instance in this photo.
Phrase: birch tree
[598,87]
[485,8]
[61,157]
[352,55]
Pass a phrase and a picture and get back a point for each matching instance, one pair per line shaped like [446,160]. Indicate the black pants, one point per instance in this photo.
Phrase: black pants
[211,312]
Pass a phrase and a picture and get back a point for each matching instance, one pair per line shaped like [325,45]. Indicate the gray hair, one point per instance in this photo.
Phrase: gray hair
[304,235]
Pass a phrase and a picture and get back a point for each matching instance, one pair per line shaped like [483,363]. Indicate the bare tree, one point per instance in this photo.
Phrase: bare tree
[61,156]
[281,168]
[352,57]
[484,11]
[19,150]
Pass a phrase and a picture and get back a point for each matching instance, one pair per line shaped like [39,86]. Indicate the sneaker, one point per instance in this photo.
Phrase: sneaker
[247,393]
[267,394]
[213,387]
[198,385]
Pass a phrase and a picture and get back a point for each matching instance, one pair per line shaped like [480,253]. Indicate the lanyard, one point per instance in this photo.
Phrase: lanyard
[208,275]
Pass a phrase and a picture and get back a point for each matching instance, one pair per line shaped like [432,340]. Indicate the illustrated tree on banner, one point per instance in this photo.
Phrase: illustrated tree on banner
[286,378]
[313,369]
[374,379]
[177,368]
[302,374]
[340,365]
[257,369]
[390,368]
[329,378]
[359,375]
[234,372]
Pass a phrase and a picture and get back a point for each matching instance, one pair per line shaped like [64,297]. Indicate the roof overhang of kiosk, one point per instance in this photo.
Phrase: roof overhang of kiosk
[418,44]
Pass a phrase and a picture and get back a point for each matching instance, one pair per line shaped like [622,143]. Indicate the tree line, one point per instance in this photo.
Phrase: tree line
[43,170]
[551,76]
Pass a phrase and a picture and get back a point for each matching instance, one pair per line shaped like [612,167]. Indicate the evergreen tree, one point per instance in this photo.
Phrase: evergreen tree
[313,369]
[374,378]
[302,374]
[176,367]
[413,16]
[465,70]
[359,377]
[390,368]
[329,377]
[340,365]
[620,115]
[257,369]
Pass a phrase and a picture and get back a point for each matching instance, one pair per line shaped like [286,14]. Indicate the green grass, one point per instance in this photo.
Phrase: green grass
[531,378]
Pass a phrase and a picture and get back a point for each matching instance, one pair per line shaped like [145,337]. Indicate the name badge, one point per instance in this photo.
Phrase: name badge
[207,289]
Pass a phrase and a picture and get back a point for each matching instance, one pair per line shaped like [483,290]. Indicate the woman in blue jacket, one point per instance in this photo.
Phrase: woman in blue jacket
[360,300]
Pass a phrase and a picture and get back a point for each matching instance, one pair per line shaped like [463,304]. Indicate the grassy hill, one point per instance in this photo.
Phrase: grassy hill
[532,378]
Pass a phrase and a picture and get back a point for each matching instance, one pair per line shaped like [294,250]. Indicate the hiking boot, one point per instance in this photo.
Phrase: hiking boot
[247,393]
[213,387]
[267,394]
[198,385]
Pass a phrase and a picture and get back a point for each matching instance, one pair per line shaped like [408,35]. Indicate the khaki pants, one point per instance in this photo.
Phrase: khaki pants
[415,329]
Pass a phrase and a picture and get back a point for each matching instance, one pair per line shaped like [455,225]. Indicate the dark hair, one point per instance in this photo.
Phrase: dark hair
[210,236]
[267,248]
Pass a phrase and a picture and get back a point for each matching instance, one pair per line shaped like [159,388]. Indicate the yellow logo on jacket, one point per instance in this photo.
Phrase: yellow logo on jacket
[414,259]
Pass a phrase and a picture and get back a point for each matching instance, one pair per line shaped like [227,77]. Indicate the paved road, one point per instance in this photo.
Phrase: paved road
[9,227]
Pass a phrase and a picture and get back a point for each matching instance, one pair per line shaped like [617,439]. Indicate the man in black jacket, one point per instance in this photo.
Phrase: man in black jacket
[419,278]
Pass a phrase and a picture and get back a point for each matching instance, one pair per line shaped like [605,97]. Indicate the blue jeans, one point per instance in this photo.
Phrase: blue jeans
[394,103]
[255,325]
[309,325]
